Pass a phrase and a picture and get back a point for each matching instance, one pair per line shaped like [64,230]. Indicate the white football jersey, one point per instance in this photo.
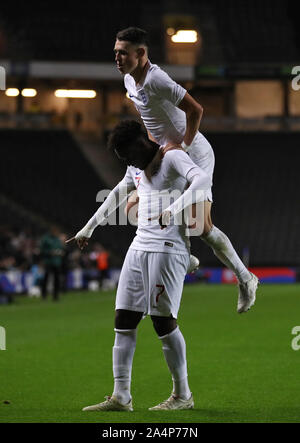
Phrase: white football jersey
[156,100]
[154,197]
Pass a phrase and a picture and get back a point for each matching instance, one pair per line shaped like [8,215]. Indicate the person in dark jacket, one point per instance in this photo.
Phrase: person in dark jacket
[51,250]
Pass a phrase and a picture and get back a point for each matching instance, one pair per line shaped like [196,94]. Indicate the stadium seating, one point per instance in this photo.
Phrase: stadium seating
[84,33]
[46,173]
[253,31]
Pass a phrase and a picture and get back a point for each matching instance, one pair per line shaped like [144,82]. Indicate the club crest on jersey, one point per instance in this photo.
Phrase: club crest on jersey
[144,97]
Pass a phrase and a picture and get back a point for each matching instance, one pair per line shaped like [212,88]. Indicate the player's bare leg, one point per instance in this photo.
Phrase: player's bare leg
[223,249]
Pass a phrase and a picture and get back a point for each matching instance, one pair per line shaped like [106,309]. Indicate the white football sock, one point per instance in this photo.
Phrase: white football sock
[123,351]
[174,350]
[223,249]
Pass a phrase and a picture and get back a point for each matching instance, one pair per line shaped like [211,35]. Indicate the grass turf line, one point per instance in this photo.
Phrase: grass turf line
[241,367]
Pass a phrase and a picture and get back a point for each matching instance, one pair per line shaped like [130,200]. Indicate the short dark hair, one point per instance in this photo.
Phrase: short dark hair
[133,35]
[125,134]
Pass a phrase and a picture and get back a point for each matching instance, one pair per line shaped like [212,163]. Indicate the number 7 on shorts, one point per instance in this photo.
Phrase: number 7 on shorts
[160,292]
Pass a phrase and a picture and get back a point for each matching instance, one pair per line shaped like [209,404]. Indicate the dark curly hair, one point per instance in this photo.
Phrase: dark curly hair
[124,134]
[125,140]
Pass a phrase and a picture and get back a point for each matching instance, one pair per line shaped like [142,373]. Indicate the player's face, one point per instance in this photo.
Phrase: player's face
[126,56]
[139,154]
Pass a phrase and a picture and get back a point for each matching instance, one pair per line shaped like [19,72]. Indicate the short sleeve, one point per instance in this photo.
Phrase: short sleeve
[163,86]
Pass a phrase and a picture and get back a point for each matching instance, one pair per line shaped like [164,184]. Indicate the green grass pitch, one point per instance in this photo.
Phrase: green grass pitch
[242,368]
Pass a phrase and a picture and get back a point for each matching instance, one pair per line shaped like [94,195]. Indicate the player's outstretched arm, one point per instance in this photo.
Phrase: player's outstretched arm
[114,199]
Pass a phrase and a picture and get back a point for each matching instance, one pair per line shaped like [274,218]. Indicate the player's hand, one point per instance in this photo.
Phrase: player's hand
[82,237]
[82,242]
[164,219]
[170,147]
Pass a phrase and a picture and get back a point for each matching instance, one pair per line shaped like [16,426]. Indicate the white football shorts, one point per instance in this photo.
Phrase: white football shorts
[152,282]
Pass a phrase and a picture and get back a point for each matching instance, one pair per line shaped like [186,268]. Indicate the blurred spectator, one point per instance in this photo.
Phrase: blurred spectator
[102,264]
[64,262]
[37,274]
[17,248]
[52,252]
[28,250]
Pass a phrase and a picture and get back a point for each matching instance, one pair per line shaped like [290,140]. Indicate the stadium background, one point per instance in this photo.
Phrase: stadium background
[53,154]
[53,149]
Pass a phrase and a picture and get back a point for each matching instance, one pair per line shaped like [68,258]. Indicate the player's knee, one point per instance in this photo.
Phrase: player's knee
[163,325]
[207,226]
[125,319]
